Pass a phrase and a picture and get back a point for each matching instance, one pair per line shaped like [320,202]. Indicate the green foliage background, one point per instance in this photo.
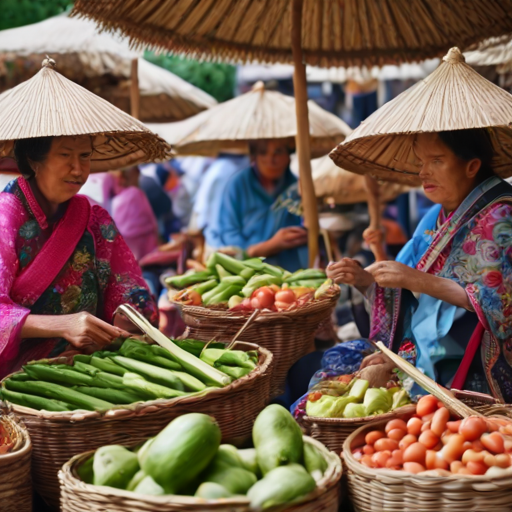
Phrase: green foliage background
[218,80]
[15,13]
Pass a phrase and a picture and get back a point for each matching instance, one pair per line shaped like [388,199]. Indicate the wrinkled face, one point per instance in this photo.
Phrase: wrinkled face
[446,178]
[65,169]
[272,159]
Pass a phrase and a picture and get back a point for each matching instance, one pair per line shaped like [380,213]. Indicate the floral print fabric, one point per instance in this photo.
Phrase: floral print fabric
[100,275]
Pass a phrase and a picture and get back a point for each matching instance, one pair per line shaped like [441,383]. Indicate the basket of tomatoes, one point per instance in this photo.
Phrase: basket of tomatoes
[431,460]
[217,301]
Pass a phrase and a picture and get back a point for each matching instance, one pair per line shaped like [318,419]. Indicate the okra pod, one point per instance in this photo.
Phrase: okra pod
[222,272]
[135,382]
[58,375]
[235,372]
[202,288]
[143,352]
[108,366]
[150,372]
[224,295]
[190,382]
[272,270]
[230,264]
[20,376]
[240,281]
[254,263]
[302,275]
[57,392]
[83,358]
[188,279]
[34,402]
[259,281]
[116,396]
[215,291]
[311,283]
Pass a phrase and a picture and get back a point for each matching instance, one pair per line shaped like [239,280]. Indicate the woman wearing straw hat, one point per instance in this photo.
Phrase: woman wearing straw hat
[446,303]
[64,268]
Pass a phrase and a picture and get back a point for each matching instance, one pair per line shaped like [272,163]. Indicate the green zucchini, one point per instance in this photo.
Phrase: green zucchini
[114,466]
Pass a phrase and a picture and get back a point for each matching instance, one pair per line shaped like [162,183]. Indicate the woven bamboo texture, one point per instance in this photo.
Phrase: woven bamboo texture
[385,490]
[57,437]
[59,107]
[76,496]
[15,478]
[289,335]
[334,33]
[257,114]
[453,97]
[332,432]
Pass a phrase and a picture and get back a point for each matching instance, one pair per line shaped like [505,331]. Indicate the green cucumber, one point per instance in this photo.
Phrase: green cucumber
[149,487]
[235,480]
[277,438]
[212,491]
[249,460]
[114,466]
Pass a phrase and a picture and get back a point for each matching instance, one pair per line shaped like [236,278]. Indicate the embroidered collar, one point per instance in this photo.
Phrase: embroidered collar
[32,203]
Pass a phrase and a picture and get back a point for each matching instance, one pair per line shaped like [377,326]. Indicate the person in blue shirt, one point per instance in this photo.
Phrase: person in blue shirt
[245,218]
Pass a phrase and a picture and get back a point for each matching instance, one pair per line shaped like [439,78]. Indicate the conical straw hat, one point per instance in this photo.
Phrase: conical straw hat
[257,114]
[334,32]
[345,187]
[51,105]
[453,97]
[492,52]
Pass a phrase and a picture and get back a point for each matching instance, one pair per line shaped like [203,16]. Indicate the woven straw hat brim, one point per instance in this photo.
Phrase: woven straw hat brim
[257,114]
[345,187]
[454,97]
[493,52]
[51,105]
[335,32]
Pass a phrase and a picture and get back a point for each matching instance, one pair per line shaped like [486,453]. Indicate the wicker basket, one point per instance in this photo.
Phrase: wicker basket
[332,432]
[385,490]
[76,496]
[289,335]
[15,478]
[58,436]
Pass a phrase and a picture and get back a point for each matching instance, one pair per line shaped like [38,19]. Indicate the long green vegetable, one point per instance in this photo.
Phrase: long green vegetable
[108,366]
[143,352]
[34,402]
[57,392]
[135,382]
[188,279]
[116,396]
[58,375]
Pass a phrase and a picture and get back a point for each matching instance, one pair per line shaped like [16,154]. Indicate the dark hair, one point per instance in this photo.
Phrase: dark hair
[35,149]
[255,144]
[470,144]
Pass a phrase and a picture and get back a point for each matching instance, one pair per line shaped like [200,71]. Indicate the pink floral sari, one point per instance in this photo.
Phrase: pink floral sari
[82,264]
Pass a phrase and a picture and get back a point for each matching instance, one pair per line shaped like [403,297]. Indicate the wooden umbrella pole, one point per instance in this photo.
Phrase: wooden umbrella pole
[134,89]
[372,188]
[302,137]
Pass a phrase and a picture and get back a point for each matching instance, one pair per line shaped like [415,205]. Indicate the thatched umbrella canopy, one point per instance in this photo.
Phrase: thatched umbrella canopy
[454,97]
[51,105]
[257,114]
[492,52]
[317,32]
[99,62]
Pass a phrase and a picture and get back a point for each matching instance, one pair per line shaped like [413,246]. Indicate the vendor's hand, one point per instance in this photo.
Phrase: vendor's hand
[83,330]
[392,274]
[375,358]
[289,238]
[349,271]
[373,236]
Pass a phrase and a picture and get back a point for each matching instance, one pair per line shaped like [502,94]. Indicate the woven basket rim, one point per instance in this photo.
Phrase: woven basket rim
[331,476]
[22,450]
[347,421]
[140,408]
[403,476]
[314,306]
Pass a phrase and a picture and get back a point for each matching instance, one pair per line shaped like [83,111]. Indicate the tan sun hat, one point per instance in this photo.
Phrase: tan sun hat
[453,97]
[257,114]
[51,105]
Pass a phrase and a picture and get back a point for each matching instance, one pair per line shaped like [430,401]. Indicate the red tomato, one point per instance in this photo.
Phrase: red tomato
[428,439]
[396,423]
[385,444]
[285,296]
[407,441]
[380,458]
[373,436]
[426,405]
[472,428]
[413,467]
[265,296]
[368,450]
[439,421]
[477,467]
[415,453]
[397,434]
[453,426]
[414,426]
[281,306]
[493,442]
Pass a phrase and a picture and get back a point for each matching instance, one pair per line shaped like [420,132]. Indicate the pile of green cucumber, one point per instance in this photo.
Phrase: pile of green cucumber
[137,372]
[186,458]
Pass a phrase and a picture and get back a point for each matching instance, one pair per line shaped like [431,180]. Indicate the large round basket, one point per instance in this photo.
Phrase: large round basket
[15,477]
[332,432]
[77,496]
[386,490]
[57,436]
[289,335]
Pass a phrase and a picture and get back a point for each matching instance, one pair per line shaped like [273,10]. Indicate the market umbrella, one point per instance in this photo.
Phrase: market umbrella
[51,105]
[318,32]
[102,63]
[454,97]
[257,114]
[492,52]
